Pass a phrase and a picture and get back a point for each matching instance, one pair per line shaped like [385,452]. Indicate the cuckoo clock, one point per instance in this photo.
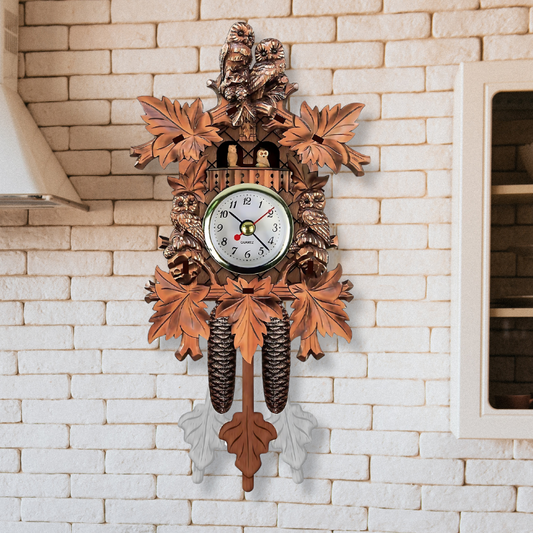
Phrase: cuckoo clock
[250,234]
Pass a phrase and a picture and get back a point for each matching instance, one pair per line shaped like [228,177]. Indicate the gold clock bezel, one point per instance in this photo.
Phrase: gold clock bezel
[217,200]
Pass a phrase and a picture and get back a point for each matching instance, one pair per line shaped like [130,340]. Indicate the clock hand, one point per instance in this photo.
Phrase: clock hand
[254,223]
[235,217]
[255,235]
[269,211]
[238,236]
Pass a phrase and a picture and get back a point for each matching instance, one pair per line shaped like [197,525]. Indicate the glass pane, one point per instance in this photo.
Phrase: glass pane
[511,325]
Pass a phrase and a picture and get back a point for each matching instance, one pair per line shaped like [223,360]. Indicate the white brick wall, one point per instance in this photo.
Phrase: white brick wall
[89,442]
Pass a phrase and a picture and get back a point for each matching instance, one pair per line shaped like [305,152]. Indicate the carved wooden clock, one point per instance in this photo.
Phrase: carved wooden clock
[250,233]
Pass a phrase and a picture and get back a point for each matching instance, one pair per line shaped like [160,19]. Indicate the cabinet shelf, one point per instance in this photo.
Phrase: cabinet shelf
[512,194]
[511,312]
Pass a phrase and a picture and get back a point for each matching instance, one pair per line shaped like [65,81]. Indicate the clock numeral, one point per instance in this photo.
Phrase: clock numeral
[223,237]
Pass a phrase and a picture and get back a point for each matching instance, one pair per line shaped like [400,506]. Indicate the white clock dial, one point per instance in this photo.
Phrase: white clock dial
[248,228]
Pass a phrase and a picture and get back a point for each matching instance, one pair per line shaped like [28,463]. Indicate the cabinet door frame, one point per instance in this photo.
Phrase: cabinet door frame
[471,414]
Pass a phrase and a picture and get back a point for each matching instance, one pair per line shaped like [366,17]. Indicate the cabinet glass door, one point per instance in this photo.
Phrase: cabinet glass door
[511,266]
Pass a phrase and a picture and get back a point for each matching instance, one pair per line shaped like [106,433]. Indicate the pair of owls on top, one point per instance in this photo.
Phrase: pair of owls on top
[237,81]
[262,157]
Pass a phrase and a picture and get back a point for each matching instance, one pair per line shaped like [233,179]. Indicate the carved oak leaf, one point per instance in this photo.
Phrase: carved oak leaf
[318,308]
[181,132]
[304,180]
[191,179]
[248,435]
[180,311]
[318,137]
[355,160]
[249,306]
[294,427]
[201,428]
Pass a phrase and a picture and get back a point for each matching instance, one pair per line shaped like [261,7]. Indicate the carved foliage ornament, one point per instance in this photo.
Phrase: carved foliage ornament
[250,233]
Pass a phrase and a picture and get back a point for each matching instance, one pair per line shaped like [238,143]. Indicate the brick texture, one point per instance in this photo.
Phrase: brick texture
[153,10]
[68,63]
[68,12]
[57,137]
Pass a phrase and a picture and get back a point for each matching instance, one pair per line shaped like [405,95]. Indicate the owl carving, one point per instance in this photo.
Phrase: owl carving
[269,68]
[311,214]
[262,158]
[313,238]
[188,232]
[232,155]
[235,59]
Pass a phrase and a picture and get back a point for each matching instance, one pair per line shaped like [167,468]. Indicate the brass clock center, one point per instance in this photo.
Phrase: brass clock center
[247,228]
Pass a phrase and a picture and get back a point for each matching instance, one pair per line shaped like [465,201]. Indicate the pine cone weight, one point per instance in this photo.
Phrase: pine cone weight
[221,362]
[277,363]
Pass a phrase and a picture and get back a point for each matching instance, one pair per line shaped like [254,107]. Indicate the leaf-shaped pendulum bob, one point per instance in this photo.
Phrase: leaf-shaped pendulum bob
[201,428]
[248,434]
[294,427]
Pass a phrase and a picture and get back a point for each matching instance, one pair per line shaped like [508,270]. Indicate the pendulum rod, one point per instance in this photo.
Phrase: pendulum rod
[248,410]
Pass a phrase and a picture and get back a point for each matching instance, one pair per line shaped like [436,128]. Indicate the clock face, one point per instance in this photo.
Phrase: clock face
[248,228]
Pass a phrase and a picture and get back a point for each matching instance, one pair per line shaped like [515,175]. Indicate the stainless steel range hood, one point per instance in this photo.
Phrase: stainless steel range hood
[30,174]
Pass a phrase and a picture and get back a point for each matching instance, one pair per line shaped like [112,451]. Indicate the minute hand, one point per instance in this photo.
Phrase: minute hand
[261,241]
[237,237]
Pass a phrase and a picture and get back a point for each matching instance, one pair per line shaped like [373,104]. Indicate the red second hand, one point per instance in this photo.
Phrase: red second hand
[269,211]
[238,236]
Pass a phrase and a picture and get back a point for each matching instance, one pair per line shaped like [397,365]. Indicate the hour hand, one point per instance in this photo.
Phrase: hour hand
[235,217]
